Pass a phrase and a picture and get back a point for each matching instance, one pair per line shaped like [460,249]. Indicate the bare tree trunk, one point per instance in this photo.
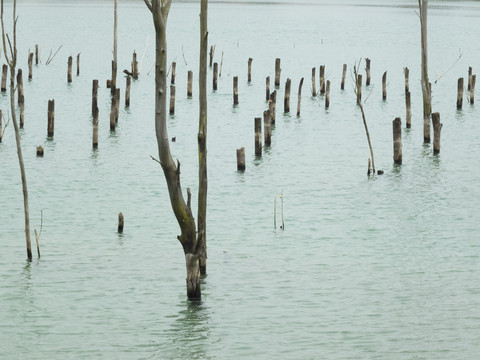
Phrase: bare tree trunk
[426,90]
[113,84]
[202,140]
[12,64]
[183,213]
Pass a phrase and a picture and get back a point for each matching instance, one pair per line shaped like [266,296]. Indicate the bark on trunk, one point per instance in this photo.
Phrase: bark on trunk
[426,89]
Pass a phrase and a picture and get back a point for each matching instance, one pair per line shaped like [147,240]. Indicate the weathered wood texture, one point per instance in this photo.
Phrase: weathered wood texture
[299,96]
[322,79]
[437,129]
[314,88]
[384,86]
[241,159]
[189,84]
[397,141]
[51,118]
[258,136]
[277,72]
[367,69]
[344,74]
[286,99]
[235,90]
[250,70]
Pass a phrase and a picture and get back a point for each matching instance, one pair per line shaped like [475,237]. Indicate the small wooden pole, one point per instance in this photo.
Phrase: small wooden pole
[4,77]
[94,95]
[397,141]
[212,52]
[258,136]
[299,96]
[172,99]
[174,72]
[469,78]
[51,118]
[327,95]
[19,85]
[460,94]
[235,90]
[314,89]
[250,70]
[406,73]
[95,129]
[359,89]
[36,54]
[344,74]
[267,127]
[113,81]
[437,129]
[272,106]
[409,110]
[40,151]
[277,72]
[189,84]
[117,104]
[69,73]
[78,64]
[286,100]
[472,89]
[134,66]
[127,91]
[215,76]
[369,170]
[241,159]
[367,69]
[267,92]
[322,79]
[384,86]
[120,222]
[1,132]
[30,65]
[113,115]
[221,66]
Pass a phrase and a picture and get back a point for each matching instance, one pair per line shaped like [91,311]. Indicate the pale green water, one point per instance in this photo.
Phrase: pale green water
[379,268]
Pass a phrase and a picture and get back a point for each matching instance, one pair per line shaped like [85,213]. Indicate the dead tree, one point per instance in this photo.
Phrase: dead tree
[426,89]
[113,83]
[12,62]
[193,246]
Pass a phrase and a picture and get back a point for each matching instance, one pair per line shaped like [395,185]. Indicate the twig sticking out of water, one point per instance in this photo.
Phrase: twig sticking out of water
[451,66]
[50,57]
[37,236]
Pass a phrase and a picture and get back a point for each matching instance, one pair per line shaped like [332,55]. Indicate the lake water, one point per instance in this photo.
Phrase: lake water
[385,267]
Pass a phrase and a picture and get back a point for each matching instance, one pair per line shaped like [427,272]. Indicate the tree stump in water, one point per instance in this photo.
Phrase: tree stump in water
[437,129]
[267,83]
[120,222]
[272,106]
[172,99]
[51,118]
[277,72]
[299,96]
[4,78]
[258,136]
[286,100]
[250,70]
[235,90]
[241,159]
[367,69]
[327,95]
[30,65]
[40,151]
[460,94]
[359,89]
[127,91]
[314,88]
[472,89]
[174,71]
[189,84]
[94,95]
[409,110]
[322,79]
[267,127]
[95,129]
[344,74]
[384,86]
[69,72]
[397,141]
[215,76]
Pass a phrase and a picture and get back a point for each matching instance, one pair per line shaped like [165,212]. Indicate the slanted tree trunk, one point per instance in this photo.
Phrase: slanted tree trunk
[12,62]
[426,90]
[182,212]
[202,140]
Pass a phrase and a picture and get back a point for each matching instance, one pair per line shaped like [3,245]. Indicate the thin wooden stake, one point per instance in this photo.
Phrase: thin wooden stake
[367,69]
[267,127]
[299,96]
[94,95]
[30,65]
[127,91]
[397,141]
[120,222]
[113,113]
[215,76]
[314,89]
[174,72]
[472,89]
[286,100]
[134,66]
[322,79]
[344,73]
[19,85]
[409,110]
[235,90]
[250,70]
[277,72]
[267,82]
[69,73]
[172,99]
[384,86]
[51,118]
[327,95]
[95,129]
[212,52]
[359,89]
[469,78]
[221,66]
[460,94]
[406,72]
[272,106]
[258,136]
[36,54]
[189,85]
[4,77]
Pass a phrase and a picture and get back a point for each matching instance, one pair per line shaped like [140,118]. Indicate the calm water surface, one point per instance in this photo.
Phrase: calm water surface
[385,267]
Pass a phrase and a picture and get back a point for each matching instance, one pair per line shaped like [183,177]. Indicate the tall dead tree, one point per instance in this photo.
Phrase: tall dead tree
[12,63]
[113,83]
[192,245]
[426,89]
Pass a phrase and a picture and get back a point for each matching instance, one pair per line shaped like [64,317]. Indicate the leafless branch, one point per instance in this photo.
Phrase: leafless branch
[149,5]
[37,236]
[451,66]
[183,54]
[49,60]
[155,160]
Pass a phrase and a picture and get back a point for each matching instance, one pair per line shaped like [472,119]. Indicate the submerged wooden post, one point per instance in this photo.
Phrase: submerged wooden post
[120,222]
[344,73]
[286,99]
[469,78]
[117,104]
[437,129]
[267,82]
[397,141]
[36,54]
[113,115]
[367,69]
[127,91]
[472,89]
[314,89]
[78,64]
[359,89]
[277,72]
[95,129]
[172,99]
[189,84]
[1,132]
[406,73]
[174,73]
[40,151]
[235,90]
[221,65]
[19,85]
[384,86]
[241,159]
[30,65]
[134,66]
[267,127]
[212,52]
[4,77]
[258,136]
[322,79]
[69,73]
[94,95]
[51,118]
[272,106]
[250,70]
[299,96]
[215,75]
[409,110]
[327,95]
[460,94]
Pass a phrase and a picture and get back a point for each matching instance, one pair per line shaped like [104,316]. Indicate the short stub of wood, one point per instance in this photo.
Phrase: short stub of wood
[367,70]
[69,71]
[127,91]
[250,70]
[30,65]
[189,84]
[267,85]
[215,76]
[459,93]
[384,86]
[409,110]
[286,100]
[36,54]
[359,89]
[134,66]
[299,96]
[235,90]
[241,159]
[121,222]
[172,99]
[406,72]
[469,78]
[472,89]
[4,77]
[344,74]
[113,113]
[277,72]
[267,127]
[94,95]
[174,73]
[397,141]
[40,151]
[51,118]
[314,88]
[212,53]
[117,104]
[437,129]
[20,86]
[272,106]
[78,64]
[258,136]
[95,129]
[322,79]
